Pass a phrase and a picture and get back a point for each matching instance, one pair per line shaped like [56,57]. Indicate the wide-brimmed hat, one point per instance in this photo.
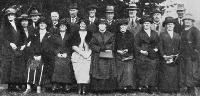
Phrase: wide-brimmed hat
[189,16]
[132,6]
[180,7]
[102,21]
[23,17]
[157,10]
[35,13]
[42,19]
[146,19]
[122,22]
[110,9]
[168,20]
[63,22]
[93,6]
[10,11]
[73,6]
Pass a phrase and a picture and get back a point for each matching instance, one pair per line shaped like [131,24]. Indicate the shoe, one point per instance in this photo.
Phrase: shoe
[27,91]
[84,88]
[39,90]
[54,88]
[79,89]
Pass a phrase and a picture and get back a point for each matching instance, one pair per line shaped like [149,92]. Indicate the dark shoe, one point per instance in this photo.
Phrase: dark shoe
[27,91]
[54,88]
[79,89]
[67,89]
[84,89]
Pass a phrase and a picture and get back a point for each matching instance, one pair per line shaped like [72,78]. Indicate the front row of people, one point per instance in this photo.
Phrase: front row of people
[108,61]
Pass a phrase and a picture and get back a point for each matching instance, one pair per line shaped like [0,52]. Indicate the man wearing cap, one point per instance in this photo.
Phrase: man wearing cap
[35,16]
[179,23]
[125,57]
[111,23]
[157,21]
[190,52]
[133,21]
[92,19]
[169,49]
[54,21]
[10,50]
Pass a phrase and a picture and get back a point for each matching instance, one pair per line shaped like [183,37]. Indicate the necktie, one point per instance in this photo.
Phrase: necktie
[157,27]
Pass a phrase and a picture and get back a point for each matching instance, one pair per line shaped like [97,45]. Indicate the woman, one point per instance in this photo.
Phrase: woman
[169,50]
[103,68]
[11,51]
[125,58]
[63,71]
[147,58]
[81,57]
[190,47]
[40,63]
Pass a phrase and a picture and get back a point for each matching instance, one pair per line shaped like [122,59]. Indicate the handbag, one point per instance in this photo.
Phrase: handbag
[106,54]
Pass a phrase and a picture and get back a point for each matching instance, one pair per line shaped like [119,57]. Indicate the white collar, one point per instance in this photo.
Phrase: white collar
[148,32]
[170,33]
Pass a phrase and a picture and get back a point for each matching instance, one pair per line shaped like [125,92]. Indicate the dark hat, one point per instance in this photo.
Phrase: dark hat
[122,22]
[102,21]
[189,16]
[157,10]
[42,19]
[180,7]
[73,6]
[23,17]
[10,11]
[168,20]
[35,13]
[63,22]
[93,6]
[132,6]
[110,9]
[146,19]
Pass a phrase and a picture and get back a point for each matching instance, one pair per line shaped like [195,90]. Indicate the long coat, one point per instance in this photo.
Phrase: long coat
[10,69]
[190,48]
[126,70]
[63,70]
[147,65]
[169,73]
[102,70]
[45,50]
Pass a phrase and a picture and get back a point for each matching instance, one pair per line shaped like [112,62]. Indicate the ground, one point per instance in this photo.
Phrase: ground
[5,93]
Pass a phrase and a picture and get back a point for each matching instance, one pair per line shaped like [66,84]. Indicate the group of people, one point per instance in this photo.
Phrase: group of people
[100,54]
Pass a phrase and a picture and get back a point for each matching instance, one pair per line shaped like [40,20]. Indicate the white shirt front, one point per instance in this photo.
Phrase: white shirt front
[171,34]
[62,35]
[42,34]
[148,32]
[82,36]
[91,19]
[26,32]
[13,25]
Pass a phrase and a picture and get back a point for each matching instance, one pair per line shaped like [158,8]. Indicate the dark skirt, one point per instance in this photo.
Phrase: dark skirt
[62,71]
[147,71]
[126,73]
[103,84]
[169,77]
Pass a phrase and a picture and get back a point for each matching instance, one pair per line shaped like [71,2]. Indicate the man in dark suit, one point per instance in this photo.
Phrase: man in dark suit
[179,23]
[92,19]
[35,16]
[157,21]
[54,21]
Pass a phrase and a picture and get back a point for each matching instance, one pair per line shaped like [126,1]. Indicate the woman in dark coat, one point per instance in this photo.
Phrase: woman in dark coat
[125,55]
[11,51]
[190,48]
[169,51]
[62,76]
[147,58]
[40,64]
[103,68]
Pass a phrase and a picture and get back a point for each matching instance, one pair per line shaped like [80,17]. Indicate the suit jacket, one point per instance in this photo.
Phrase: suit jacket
[178,27]
[169,46]
[160,28]
[73,26]
[146,43]
[134,27]
[94,26]
[112,27]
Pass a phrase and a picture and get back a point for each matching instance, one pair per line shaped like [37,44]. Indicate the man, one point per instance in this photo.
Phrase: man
[157,21]
[190,48]
[179,23]
[133,24]
[92,19]
[35,16]
[54,21]
[111,23]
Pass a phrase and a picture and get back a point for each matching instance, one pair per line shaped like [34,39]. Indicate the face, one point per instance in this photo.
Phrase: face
[110,16]
[54,16]
[82,25]
[92,12]
[62,27]
[73,12]
[24,23]
[123,28]
[188,23]
[11,17]
[102,26]
[132,13]
[157,17]
[147,25]
[43,25]
[170,26]
[180,13]
[35,18]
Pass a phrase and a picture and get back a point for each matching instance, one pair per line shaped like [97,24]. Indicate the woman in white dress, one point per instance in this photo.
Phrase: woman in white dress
[81,58]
